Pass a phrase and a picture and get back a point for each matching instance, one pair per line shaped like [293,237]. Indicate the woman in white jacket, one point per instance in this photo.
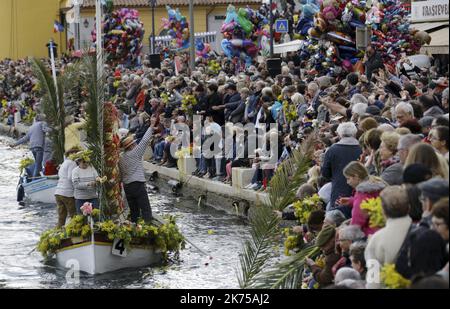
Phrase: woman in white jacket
[64,193]
[384,246]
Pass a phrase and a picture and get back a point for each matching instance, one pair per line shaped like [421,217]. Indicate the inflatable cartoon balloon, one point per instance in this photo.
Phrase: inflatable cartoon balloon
[177,28]
[245,34]
[123,36]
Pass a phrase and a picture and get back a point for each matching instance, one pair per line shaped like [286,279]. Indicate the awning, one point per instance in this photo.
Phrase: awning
[439,43]
[287,47]
[428,27]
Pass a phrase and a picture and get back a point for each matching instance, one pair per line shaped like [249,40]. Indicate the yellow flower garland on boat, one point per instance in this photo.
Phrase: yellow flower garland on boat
[166,237]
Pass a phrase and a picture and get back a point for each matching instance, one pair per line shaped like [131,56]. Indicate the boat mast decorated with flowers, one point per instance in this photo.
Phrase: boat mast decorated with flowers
[102,240]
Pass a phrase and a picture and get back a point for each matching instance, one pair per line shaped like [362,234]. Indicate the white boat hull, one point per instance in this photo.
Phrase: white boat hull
[41,190]
[96,258]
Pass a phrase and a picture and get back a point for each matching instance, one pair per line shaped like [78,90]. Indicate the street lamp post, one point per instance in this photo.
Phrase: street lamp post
[191,36]
[271,29]
[152,3]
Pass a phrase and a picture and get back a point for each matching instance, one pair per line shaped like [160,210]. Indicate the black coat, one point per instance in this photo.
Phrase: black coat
[373,63]
[336,159]
[214,99]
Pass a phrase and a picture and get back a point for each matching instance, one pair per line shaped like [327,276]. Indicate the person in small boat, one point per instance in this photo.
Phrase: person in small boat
[132,174]
[84,178]
[36,137]
[64,193]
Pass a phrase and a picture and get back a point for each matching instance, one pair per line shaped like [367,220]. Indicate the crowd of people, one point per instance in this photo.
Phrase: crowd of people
[378,134]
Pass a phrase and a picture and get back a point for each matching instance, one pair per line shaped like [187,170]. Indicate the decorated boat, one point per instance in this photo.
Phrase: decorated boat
[35,190]
[41,190]
[97,247]
[99,240]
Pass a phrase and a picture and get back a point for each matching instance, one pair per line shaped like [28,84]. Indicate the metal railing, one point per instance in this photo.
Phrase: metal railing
[206,37]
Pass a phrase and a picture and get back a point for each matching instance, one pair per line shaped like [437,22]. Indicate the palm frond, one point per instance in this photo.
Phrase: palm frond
[52,106]
[264,223]
[72,87]
[93,133]
[93,81]
[286,274]
[290,175]
[258,249]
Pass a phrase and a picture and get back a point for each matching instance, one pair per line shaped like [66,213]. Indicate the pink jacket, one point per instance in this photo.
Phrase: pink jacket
[365,190]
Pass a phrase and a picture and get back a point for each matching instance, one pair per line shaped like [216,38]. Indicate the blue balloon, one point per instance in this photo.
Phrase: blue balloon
[231,15]
[227,48]
[199,45]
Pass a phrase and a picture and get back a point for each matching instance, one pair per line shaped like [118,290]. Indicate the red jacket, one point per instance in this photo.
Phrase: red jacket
[50,168]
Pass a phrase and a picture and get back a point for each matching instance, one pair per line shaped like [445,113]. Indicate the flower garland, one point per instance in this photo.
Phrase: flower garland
[30,114]
[111,183]
[214,67]
[166,238]
[165,97]
[392,279]
[188,102]
[375,212]
[291,242]
[290,111]
[303,208]
[24,163]
[78,226]
[85,155]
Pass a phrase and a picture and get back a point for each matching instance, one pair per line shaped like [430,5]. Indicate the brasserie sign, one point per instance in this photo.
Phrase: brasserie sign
[432,10]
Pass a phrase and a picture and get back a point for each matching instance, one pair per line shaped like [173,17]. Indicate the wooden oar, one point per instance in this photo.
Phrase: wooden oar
[159,220]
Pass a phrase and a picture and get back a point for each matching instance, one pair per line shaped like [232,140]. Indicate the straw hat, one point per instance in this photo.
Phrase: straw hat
[126,142]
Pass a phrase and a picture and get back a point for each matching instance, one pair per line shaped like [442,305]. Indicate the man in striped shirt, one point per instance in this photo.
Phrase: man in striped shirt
[133,178]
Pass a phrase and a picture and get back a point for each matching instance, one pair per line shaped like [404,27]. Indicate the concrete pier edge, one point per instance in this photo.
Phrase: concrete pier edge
[233,200]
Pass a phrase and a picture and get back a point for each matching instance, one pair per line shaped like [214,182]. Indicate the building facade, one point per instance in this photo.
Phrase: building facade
[27,25]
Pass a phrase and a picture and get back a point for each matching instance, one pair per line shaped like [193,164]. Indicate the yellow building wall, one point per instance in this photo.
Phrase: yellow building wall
[200,16]
[145,14]
[26,26]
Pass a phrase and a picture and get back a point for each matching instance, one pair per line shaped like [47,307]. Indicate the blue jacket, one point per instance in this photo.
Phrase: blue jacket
[336,159]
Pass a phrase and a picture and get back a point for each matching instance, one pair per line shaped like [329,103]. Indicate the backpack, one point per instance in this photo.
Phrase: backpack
[422,252]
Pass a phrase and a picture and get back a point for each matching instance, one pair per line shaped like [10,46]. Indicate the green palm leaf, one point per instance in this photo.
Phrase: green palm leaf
[290,175]
[286,274]
[52,106]
[94,134]
[258,250]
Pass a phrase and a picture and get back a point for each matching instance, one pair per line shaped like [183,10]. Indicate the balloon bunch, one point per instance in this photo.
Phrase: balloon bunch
[328,28]
[392,35]
[123,34]
[243,32]
[177,27]
[202,49]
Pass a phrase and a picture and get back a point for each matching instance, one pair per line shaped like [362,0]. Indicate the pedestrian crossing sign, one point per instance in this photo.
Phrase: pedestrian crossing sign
[281,26]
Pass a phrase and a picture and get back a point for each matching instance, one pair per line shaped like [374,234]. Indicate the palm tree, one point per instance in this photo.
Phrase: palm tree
[258,251]
[53,101]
